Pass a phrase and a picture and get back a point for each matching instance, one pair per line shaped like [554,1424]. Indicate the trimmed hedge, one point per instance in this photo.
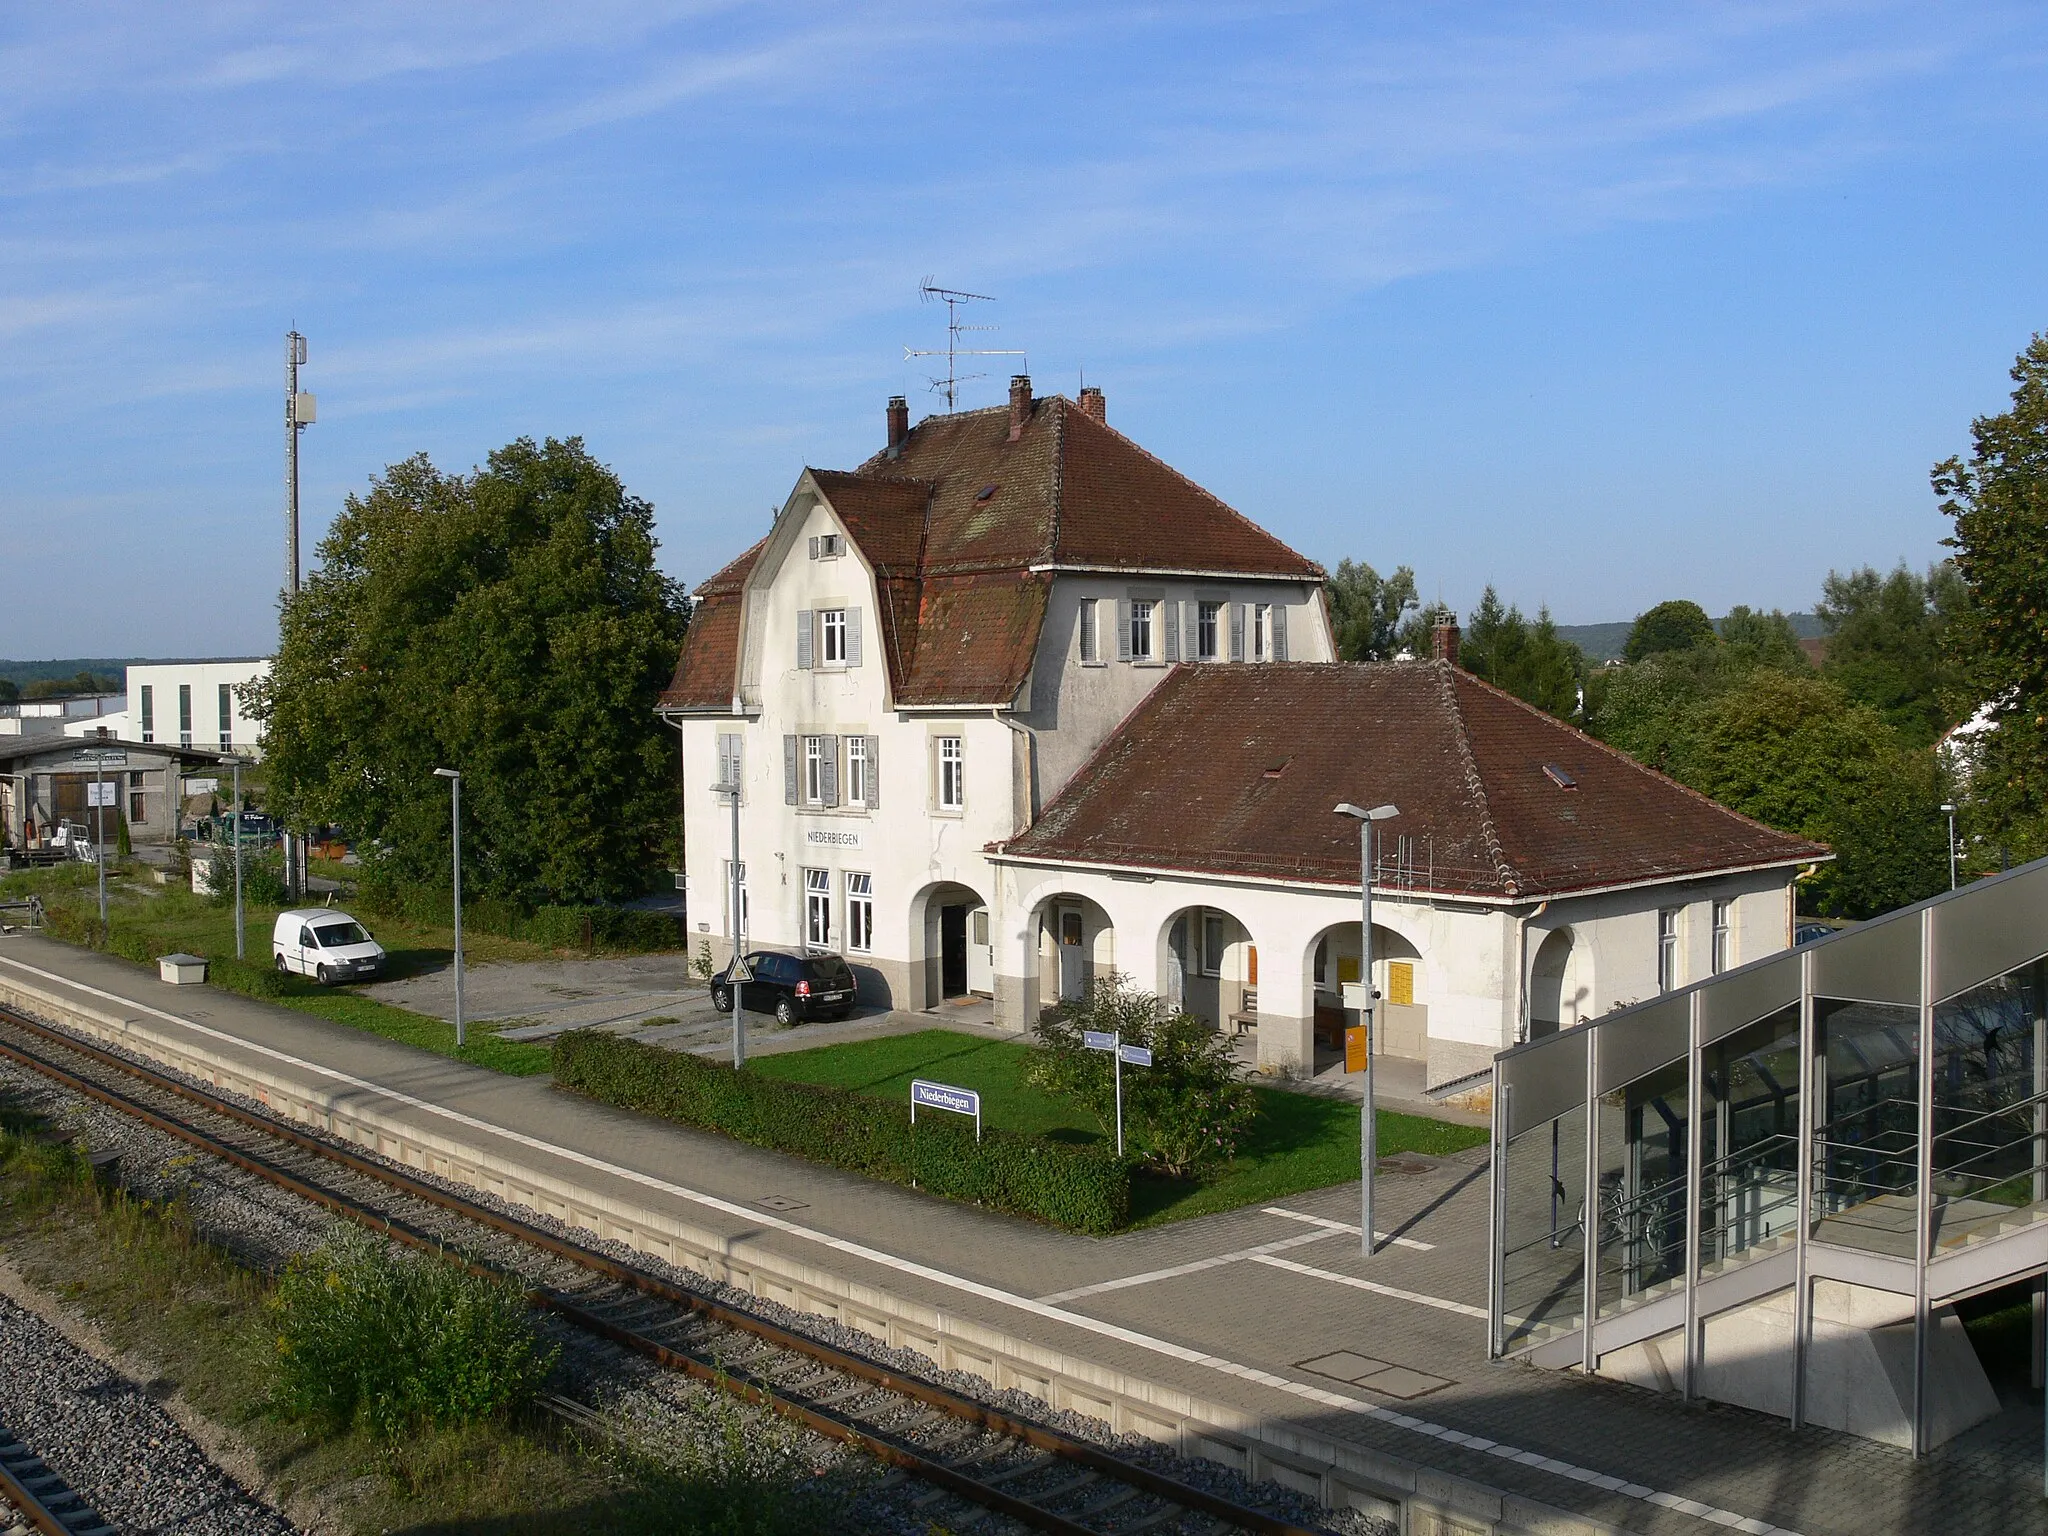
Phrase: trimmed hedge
[1082,1188]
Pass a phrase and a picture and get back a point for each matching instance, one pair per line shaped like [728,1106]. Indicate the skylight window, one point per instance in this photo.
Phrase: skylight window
[1561,777]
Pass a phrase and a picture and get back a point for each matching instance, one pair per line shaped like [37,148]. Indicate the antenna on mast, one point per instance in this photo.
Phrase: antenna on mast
[953,298]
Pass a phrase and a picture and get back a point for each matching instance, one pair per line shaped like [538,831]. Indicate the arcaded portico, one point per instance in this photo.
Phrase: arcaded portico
[1533,880]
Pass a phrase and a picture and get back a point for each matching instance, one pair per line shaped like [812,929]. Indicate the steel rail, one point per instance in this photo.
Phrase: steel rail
[34,1505]
[740,1383]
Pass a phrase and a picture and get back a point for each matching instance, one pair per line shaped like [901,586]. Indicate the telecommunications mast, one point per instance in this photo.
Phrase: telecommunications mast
[953,298]
[300,411]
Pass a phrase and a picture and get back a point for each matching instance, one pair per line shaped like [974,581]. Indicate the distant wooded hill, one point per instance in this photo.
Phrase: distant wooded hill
[1603,642]
[22,673]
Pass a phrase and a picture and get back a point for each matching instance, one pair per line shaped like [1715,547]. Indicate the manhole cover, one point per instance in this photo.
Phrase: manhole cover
[783,1203]
[1405,1165]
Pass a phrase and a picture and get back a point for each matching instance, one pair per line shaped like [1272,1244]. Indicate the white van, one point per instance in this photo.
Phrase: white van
[326,944]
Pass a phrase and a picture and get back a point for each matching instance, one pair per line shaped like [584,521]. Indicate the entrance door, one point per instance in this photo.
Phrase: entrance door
[952,951]
[981,954]
[1073,959]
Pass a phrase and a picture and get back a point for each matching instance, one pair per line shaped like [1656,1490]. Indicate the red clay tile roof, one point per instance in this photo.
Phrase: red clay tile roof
[1236,769]
[953,525]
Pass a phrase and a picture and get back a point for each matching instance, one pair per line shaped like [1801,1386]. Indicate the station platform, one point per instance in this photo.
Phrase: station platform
[1269,1311]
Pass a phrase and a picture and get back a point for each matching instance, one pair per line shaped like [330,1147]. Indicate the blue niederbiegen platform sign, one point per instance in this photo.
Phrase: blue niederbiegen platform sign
[958,1101]
[1136,1055]
[1099,1039]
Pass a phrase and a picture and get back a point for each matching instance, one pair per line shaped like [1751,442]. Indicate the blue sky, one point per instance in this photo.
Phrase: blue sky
[1602,304]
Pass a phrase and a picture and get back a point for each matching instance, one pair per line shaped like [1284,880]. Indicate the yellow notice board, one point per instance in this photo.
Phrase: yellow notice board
[1356,1041]
[1401,982]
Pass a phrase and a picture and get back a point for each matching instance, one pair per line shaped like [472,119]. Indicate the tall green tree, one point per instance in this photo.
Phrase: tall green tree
[1674,626]
[1753,639]
[1884,642]
[509,623]
[1997,649]
[1366,609]
[1532,661]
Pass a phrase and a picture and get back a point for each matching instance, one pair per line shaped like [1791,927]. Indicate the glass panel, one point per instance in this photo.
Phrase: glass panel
[1866,1152]
[1641,1253]
[1543,1250]
[1989,1108]
[1749,1141]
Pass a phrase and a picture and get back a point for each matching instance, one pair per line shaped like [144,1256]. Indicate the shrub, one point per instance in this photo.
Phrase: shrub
[586,928]
[367,1338]
[1080,1187]
[253,980]
[1185,1112]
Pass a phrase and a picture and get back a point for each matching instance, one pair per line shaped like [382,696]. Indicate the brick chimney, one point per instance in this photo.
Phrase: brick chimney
[1443,640]
[1020,404]
[1092,405]
[899,423]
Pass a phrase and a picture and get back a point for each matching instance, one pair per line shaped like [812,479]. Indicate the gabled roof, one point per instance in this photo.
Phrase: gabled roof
[1236,770]
[962,528]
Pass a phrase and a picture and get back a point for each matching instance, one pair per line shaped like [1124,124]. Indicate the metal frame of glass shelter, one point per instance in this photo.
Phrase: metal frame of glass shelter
[1873,1108]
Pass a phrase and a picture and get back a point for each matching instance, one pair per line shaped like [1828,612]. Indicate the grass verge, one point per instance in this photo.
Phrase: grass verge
[1298,1143]
[152,1288]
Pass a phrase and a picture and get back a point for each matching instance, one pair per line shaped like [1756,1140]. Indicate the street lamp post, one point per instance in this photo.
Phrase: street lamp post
[1948,809]
[1368,1127]
[235,810]
[737,905]
[454,778]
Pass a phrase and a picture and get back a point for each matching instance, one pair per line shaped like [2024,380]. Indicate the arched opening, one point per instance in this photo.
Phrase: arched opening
[1399,975]
[1076,944]
[1209,967]
[1560,985]
[958,951]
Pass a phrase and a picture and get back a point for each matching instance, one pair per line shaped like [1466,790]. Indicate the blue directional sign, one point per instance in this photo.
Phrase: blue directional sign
[958,1101]
[1099,1039]
[1136,1055]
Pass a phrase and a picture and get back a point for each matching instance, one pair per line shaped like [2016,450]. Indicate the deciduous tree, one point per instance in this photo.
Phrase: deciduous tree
[1366,609]
[509,623]
[1884,642]
[1674,626]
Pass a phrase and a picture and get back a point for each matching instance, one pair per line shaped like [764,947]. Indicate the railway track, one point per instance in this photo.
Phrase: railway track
[967,1452]
[35,1499]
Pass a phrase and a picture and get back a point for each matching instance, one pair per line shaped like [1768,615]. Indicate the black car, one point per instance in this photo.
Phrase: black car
[792,987]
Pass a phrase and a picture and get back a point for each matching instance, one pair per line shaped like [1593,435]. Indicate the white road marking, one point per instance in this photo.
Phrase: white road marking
[754,1214]
[1344,1226]
[1194,1267]
[1459,1307]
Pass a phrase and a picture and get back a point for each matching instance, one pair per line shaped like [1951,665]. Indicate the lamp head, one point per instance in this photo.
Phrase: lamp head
[447,773]
[1948,808]
[1377,813]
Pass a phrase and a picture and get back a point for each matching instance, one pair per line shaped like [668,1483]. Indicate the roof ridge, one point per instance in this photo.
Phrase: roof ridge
[1633,762]
[1201,490]
[1489,831]
[1059,474]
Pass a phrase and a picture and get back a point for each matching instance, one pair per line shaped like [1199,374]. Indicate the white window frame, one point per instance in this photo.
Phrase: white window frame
[1667,948]
[814,770]
[1209,630]
[725,868]
[860,912]
[1090,627]
[1260,641]
[817,909]
[1724,935]
[831,637]
[1144,612]
[857,771]
[950,763]
[1215,943]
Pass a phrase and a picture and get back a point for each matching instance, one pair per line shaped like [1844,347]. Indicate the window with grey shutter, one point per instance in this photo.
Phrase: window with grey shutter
[828,769]
[1169,629]
[814,546]
[789,770]
[1237,631]
[804,640]
[729,758]
[1123,629]
[853,637]
[1193,649]
[874,771]
[1279,633]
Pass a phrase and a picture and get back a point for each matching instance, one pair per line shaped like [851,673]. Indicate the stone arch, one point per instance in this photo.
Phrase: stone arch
[954,954]
[1401,973]
[1073,941]
[1560,984]
[1208,959]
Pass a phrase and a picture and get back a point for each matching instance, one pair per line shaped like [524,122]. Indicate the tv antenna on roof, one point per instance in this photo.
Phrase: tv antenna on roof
[953,298]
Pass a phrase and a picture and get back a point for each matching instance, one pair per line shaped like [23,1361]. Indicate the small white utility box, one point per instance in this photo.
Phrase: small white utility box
[182,970]
[1354,995]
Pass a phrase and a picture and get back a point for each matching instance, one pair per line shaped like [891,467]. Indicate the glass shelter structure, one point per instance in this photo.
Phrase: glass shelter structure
[1870,1109]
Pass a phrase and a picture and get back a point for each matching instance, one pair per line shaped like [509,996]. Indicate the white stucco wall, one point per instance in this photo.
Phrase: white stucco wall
[204,678]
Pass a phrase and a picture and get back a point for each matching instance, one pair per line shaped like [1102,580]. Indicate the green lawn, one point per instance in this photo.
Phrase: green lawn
[1299,1143]
[173,916]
